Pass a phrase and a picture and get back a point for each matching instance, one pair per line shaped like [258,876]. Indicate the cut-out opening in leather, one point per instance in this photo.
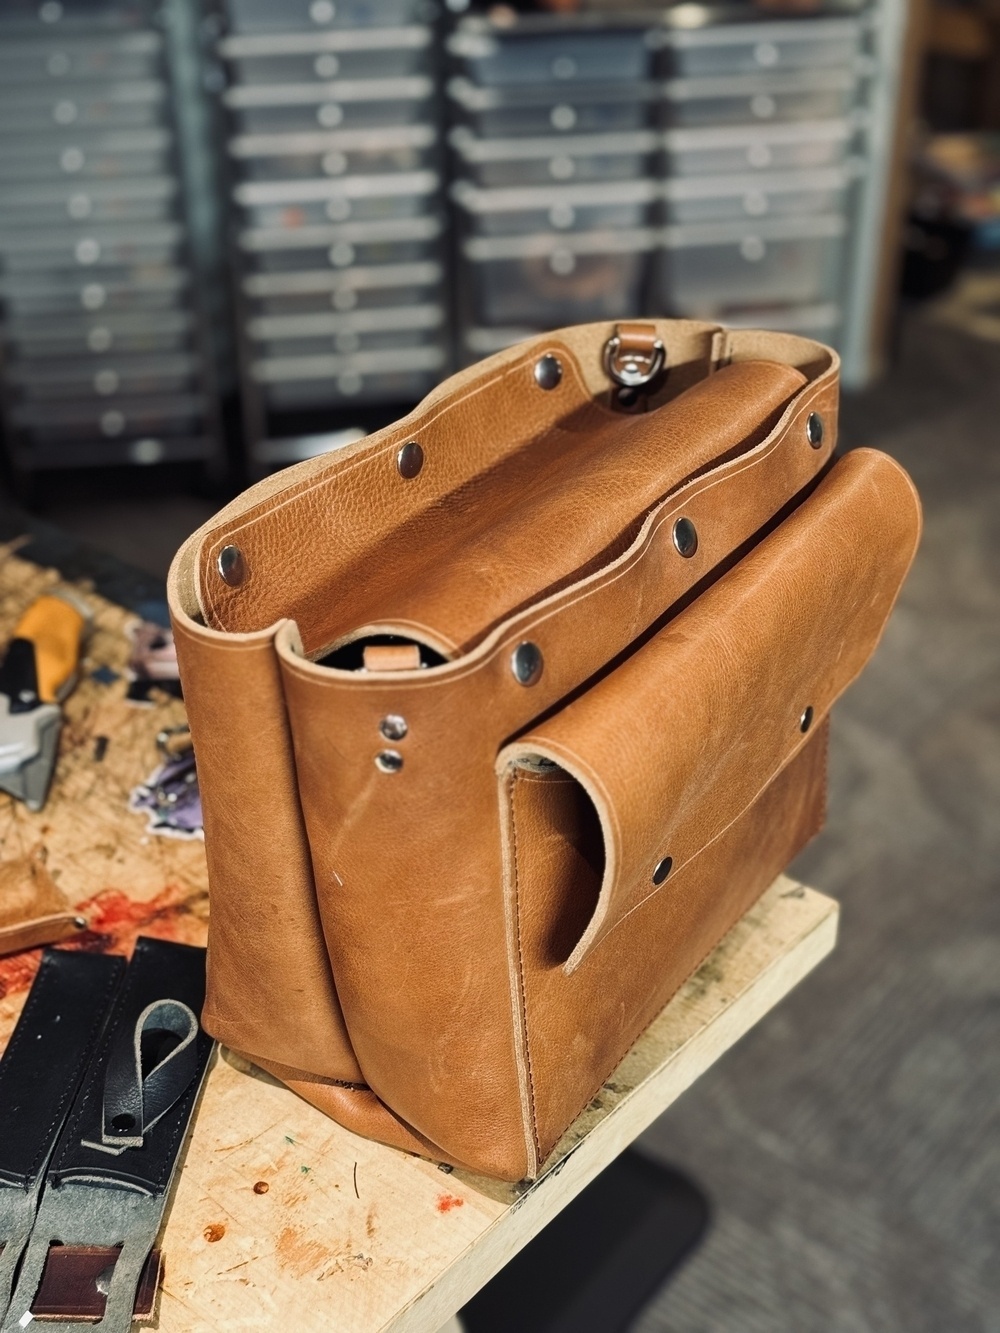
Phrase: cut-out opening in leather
[350,656]
[559,854]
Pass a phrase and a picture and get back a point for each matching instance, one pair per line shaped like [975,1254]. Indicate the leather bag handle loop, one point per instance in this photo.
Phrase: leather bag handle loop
[133,1103]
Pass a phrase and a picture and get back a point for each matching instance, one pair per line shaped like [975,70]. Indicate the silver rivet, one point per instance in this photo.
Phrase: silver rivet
[80,922]
[389,761]
[526,663]
[806,720]
[814,429]
[685,537]
[548,371]
[231,566]
[663,869]
[410,460]
[393,727]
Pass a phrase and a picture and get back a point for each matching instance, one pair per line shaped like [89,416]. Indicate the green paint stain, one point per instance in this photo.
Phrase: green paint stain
[289,1139]
[305,1170]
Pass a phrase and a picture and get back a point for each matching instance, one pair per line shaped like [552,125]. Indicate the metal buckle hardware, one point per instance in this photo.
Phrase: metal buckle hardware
[632,367]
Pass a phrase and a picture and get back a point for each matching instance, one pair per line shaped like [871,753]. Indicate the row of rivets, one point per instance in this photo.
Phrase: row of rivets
[393,727]
[663,868]
[410,459]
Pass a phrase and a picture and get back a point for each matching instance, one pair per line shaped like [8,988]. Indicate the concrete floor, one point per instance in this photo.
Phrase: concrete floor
[851,1144]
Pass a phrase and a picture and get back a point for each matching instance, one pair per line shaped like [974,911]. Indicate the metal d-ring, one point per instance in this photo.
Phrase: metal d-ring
[634,371]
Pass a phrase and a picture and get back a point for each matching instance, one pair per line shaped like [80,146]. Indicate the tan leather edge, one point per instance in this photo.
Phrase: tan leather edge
[289,645]
[584,341]
[40,930]
[515,976]
[590,780]
[814,359]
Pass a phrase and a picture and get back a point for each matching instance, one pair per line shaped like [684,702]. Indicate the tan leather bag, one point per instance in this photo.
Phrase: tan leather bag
[506,714]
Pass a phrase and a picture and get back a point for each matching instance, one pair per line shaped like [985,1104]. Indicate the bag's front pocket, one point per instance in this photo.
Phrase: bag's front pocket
[645,817]
[671,747]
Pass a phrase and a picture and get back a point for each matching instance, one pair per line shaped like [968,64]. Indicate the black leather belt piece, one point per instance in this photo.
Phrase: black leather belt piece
[48,1052]
[108,1177]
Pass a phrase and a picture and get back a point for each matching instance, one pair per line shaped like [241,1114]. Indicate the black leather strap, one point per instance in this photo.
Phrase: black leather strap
[159,1098]
[47,1054]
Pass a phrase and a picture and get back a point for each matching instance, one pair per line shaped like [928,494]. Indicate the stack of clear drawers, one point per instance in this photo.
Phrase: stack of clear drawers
[334,144]
[103,346]
[759,180]
[555,152]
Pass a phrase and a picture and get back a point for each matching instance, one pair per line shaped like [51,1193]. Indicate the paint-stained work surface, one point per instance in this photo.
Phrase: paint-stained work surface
[281,1218]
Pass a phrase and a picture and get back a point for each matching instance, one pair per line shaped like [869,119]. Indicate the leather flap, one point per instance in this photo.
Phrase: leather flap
[675,743]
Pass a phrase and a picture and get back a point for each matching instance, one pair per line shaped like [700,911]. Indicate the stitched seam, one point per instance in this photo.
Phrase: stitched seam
[70,1084]
[520,964]
[87,1097]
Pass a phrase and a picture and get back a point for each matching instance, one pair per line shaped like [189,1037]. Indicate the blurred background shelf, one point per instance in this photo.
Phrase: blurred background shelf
[311,211]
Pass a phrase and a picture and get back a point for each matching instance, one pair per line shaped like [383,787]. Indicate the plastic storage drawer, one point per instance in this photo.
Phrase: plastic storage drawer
[83,106]
[584,109]
[366,376]
[317,15]
[344,334]
[112,155]
[52,381]
[54,294]
[349,54]
[309,203]
[152,199]
[377,287]
[558,280]
[134,56]
[736,198]
[800,95]
[41,250]
[63,422]
[287,108]
[53,18]
[541,160]
[713,268]
[748,48]
[405,241]
[493,60]
[733,149]
[351,153]
[531,209]
[821,323]
[40,338]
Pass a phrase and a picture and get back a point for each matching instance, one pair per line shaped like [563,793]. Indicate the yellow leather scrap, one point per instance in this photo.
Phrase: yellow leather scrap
[55,626]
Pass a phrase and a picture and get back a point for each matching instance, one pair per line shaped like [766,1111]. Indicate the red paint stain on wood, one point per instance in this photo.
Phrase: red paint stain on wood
[446,1202]
[115,922]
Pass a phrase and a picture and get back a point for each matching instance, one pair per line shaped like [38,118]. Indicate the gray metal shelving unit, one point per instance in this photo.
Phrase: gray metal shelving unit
[105,356]
[703,161]
[333,139]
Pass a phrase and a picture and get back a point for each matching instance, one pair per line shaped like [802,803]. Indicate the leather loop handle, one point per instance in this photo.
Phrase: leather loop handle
[133,1104]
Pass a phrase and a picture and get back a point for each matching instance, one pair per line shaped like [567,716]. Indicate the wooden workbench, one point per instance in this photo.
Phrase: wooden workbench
[280,1218]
